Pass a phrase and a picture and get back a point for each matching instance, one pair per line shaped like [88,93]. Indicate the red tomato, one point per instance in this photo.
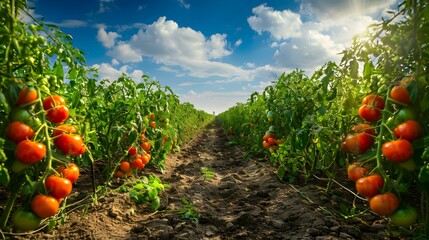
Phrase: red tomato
[70,144]
[409,130]
[358,143]
[17,131]
[71,172]
[58,114]
[65,128]
[397,151]
[26,95]
[267,135]
[266,144]
[373,100]
[145,158]
[369,113]
[354,171]
[363,127]
[53,101]
[44,206]
[152,124]
[125,166]
[369,186]
[132,151]
[118,173]
[137,163]
[400,94]
[58,187]
[29,152]
[146,145]
[384,204]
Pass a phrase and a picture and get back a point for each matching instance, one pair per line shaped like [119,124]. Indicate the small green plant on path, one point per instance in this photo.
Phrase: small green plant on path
[207,173]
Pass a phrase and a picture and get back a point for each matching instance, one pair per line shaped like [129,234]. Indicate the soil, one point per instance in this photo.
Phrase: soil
[243,200]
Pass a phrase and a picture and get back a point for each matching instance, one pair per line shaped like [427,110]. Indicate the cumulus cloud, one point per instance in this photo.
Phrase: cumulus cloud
[125,53]
[107,38]
[238,42]
[184,4]
[280,24]
[107,71]
[72,23]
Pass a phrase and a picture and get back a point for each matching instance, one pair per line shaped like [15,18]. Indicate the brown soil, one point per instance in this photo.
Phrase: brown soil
[244,200]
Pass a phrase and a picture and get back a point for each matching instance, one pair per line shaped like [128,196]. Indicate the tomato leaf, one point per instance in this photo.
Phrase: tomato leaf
[4,176]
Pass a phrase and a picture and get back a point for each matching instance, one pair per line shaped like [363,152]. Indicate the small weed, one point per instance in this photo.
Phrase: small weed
[189,211]
[207,173]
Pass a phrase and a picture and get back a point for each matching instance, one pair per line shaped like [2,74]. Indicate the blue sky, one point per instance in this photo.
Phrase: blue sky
[213,54]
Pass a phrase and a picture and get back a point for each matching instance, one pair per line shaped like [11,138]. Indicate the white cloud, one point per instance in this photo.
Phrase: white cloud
[72,23]
[184,4]
[280,25]
[104,5]
[238,42]
[114,61]
[125,53]
[107,38]
[107,71]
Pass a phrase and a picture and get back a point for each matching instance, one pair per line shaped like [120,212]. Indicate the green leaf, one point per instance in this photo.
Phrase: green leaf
[4,176]
[281,172]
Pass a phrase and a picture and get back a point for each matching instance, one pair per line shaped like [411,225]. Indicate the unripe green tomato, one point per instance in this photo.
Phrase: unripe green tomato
[35,123]
[25,220]
[21,115]
[406,114]
[409,165]
[392,122]
[404,216]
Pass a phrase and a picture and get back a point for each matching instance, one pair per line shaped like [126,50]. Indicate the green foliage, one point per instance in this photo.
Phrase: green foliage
[207,173]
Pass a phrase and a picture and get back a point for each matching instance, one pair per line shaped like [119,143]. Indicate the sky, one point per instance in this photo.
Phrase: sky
[212,53]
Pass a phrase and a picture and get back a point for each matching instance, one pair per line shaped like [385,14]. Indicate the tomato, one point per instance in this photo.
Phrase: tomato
[71,172]
[25,220]
[271,140]
[406,114]
[398,151]
[21,115]
[399,93]
[354,171]
[70,144]
[152,116]
[404,216]
[64,128]
[29,152]
[125,166]
[137,163]
[152,124]
[266,144]
[132,151]
[118,173]
[44,206]
[369,186]
[57,186]
[53,101]
[384,204]
[26,95]
[166,121]
[369,113]
[17,131]
[145,145]
[358,143]
[145,158]
[363,127]
[270,116]
[373,100]
[267,135]
[58,114]
[409,130]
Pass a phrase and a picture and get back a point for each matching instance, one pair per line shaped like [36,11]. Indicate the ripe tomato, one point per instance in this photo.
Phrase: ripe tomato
[369,186]
[398,151]
[354,171]
[137,163]
[152,116]
[409,130]
[17,131]
[404,216]
[152,124]
[373,100]
[53,101]
[399,93]
[71,172]
[58,114]
[363,127]
[267,135]
[26,95]
[44,206]
[118,173]
[70,144]
[29,152]
[25,220]
[58,187]
[358,143]
[132,151]
[384,204]
[65,128]
[369,113]
[271,140]
[125,166]
[145,158]
[266,144]
[145,145]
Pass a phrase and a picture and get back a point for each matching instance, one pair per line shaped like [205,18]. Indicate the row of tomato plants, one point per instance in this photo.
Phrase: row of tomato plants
[372,122]
[56,118]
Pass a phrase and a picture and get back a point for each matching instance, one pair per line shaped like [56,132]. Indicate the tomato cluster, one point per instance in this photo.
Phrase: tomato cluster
[269,140]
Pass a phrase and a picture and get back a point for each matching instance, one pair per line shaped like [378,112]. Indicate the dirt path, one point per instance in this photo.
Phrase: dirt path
[244,200]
